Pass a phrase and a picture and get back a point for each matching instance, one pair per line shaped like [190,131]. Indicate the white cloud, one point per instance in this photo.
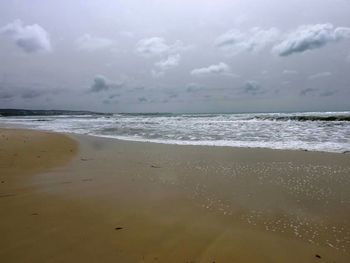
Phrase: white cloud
[309,37]
[234,41]
[152,46]
[169,54]
[342,33]
[157,73]
[161,66]
[218,69]
[30,38]
[306,37]
[170,62]
[90,43]
[157,46]
[320,75]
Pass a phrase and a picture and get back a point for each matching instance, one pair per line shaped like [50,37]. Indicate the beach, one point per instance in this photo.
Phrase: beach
[78,198]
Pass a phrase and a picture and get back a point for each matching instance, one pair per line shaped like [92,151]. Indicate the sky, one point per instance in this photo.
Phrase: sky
[175,56]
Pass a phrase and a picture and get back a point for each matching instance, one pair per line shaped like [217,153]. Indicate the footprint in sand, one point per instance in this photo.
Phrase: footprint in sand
[6,195]
[85,159]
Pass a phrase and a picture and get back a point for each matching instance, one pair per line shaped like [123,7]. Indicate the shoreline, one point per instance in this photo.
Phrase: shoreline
[316,131]
[72,134]
[144,202]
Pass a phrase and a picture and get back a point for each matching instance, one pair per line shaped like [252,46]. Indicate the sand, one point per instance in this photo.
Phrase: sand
[118,201]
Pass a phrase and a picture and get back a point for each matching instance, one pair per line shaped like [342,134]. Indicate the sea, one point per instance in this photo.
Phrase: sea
[311,131]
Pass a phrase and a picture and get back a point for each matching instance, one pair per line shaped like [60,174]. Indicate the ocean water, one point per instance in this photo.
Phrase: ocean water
[313,131]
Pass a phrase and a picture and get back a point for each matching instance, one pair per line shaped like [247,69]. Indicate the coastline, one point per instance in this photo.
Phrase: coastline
[170,143]
[146,202]
[311,131]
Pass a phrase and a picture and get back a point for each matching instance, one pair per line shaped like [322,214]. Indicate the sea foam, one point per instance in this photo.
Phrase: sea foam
[314,131]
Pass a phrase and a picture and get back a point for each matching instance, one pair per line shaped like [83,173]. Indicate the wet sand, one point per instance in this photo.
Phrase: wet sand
[117,201]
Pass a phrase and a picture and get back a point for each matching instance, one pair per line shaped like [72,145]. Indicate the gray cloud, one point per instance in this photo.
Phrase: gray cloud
[194,87]
[252,87]
[91,43]
[30,38]
[113,96]
[320,75]
[82,47]
[255,40]
[317,92]
[4,95]
[290,72]
[309,37]
[142,99]
[307,91]
[101,83]
[136,89]
[109,101]
[31,94]
[173,95]
[328,93]
[27,92]
[217,69]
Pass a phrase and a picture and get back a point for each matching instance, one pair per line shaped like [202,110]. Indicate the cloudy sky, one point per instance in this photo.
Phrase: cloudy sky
[175,56]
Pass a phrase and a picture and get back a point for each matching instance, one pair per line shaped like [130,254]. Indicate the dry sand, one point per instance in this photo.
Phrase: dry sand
[117,201]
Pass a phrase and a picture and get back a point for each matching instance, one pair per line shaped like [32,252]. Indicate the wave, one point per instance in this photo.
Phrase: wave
[322,131]
[304,118]
[151,114]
